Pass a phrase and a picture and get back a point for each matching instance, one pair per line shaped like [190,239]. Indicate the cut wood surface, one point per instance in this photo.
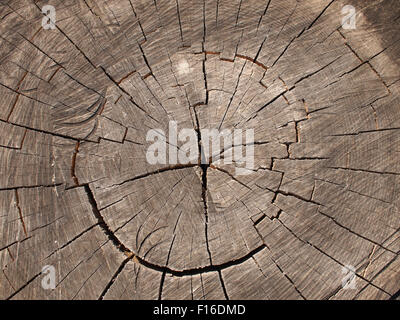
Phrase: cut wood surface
[78,193]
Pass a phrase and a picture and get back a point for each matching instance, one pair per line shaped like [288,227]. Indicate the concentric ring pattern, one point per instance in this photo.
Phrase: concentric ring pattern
[79,194]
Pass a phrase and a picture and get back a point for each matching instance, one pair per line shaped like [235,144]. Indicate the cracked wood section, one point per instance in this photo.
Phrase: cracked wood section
[76,189]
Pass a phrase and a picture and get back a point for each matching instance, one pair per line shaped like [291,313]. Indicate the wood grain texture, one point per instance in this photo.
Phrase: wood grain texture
[76,189]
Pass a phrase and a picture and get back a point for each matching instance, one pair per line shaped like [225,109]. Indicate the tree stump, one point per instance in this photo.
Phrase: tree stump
[317,217]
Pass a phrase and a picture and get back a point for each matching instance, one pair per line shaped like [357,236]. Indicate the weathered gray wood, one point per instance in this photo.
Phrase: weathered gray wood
[77,192]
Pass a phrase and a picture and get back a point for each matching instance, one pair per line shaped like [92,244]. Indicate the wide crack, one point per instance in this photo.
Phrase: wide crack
[204,165]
